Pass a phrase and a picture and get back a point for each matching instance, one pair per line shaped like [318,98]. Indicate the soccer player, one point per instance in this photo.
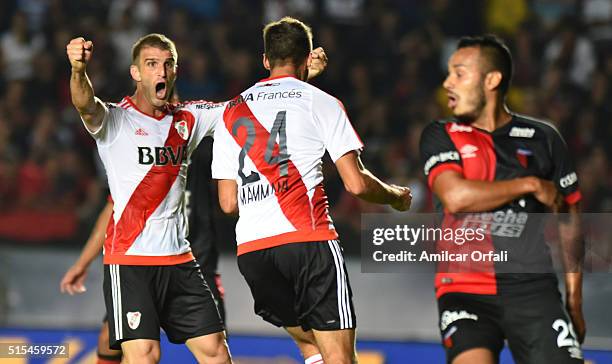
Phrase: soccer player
[202,236]
[267,157]
[144,143]
[489,159]
[150,276]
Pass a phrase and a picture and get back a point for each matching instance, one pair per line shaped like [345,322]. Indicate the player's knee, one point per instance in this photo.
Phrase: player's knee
[211,349]
[141,353]
[308,349]
[219,351]
[305,340]
[339,357]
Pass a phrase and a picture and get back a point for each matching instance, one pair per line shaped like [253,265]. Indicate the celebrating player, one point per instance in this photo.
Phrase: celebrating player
[202,236]
[267,156]
[488,159]
[150,276]
[144,143]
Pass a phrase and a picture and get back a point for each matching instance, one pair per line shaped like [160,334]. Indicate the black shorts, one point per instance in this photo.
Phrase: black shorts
[535,325]
[300,284]
[216,287]
[141,299]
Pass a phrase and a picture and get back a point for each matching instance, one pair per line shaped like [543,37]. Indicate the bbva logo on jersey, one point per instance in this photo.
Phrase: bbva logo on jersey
[161,156]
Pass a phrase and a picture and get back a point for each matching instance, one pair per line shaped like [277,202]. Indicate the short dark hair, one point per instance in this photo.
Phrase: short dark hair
[287,40]
[154,40]
[497,54]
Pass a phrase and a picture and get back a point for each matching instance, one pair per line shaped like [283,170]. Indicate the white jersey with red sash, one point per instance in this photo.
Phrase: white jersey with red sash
[145,158]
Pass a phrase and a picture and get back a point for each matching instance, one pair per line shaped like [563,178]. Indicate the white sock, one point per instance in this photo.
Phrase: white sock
[315,359]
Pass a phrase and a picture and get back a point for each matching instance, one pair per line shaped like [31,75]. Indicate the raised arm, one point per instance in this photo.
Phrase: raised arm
[363,184]
[90,108]
[73,280]
[458,194]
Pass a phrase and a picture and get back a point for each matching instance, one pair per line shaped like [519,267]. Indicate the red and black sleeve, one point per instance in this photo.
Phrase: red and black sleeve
[564,171]
[438,152]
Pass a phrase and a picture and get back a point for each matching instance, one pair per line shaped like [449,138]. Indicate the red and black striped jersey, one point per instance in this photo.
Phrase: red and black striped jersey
[523,147]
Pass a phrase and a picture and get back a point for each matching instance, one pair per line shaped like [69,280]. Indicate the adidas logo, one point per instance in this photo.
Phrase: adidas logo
[141,132]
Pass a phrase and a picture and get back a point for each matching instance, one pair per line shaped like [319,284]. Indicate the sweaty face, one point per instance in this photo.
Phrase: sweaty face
[465,84]
[157,75]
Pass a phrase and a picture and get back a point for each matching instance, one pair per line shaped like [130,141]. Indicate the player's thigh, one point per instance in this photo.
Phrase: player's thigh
[139,351]
[468,322]
[539,329]
[210,349]
[476,355]
[324,297]
[130,304]
[336,346]
[273,293]
[189,309]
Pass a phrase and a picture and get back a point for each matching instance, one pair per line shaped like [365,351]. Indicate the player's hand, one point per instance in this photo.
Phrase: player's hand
[79,53]
[404,198]
[546,192]
[574,308]
[318,64]
[74,279]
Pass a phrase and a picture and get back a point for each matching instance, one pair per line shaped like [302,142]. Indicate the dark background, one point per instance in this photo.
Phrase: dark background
[387,63]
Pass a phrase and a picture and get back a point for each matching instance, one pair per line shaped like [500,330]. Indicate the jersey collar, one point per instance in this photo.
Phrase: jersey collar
[158,118]
[277,77]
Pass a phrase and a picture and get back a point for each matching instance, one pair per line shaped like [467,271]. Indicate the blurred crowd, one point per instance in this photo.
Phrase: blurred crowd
[387,63]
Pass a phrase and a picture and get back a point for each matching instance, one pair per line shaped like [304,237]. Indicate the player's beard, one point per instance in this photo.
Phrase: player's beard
[477,104]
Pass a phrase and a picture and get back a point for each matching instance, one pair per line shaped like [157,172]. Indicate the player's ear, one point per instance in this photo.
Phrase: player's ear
[492,80]
[135,73]
[309,60]
[265,61]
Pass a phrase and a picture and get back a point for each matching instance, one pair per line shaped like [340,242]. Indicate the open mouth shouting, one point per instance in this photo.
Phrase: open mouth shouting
[161,90]
[452,100]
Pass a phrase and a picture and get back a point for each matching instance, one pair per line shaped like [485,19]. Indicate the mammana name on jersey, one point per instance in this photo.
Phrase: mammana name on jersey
[257,192]
[161,156]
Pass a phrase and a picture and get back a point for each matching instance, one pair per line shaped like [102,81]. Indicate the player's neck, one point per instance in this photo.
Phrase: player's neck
[285,70]
[494,116]
[145,106]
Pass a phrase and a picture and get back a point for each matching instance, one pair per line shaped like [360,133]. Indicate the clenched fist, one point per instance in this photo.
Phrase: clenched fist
[404,199]
[319,62]
[79,53]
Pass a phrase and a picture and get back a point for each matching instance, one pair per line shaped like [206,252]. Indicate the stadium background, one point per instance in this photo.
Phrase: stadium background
[387,61]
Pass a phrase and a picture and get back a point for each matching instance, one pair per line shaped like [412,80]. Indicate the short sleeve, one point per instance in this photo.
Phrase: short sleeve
[207,116]
[339,136]
[110,127]
[225,154]
[564,172]
[438,152]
